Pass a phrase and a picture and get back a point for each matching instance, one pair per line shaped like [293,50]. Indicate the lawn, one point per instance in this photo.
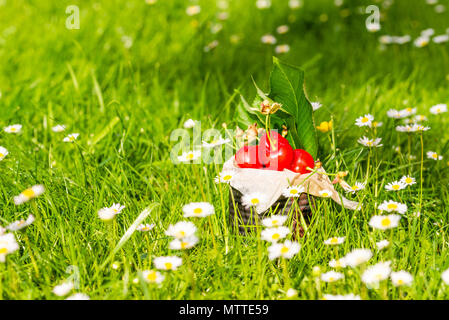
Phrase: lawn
[135,71]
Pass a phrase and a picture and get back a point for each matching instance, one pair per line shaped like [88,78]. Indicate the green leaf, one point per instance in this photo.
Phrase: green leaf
[287,88]
[245,115]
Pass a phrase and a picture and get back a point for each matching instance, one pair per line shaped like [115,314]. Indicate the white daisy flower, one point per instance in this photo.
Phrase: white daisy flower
[225,176]
[78,296]
[268,39]
[198,209]
[364,121]
[370,142]
[445,276]
[255,200]
[20,224]
[385,222]
[391,206]
[439,8]
[332,276]
[421,41]
[349,296]
[340,263]
[181,230]
[408,180]
[438,109]
[8,244]
[58,128]
[15,128]
[274,221]
[108,213]
[325,193]
[417,127]
[282,48]
[420,117]
[167,263]
[182,244]
[28,194]
[293,191]
[395,114]
[193,10]
[382,244]
[282,29]
[357,256]
[386,39]
[3,153]
[152,276]
[316,105]
[215,143]
[274,234]
[376,124]
[189,156]
[407,112]
[395,186]
[334,240]
[401,278]
[263,4]
[402,39]
[71,137]
[428,32]
[441,38]
[190,123]
[356,187]
[434,156]
[376,273]
[63,289]
[291,293]
[286,250]
[295,4]
[145,227]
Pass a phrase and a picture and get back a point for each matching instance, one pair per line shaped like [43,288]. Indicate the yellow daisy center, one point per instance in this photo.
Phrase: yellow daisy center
[20,222]
[434,156]
[293,191]
[227,177]
[275,236]
[355,188]
[3,250]
[408,180]
[29,193]
[325,194]
[197,211]
[400,281]
[13,129]
[409,109]
[255,201]
[1,155]
[274,222]
[189,156]
[334,240]
[365,119]
[392,206]
[181,233]
[369,143]
[168,265]
[385,222]
[331,279]
[396,187]
[284,249]
[152,276]
[184,244]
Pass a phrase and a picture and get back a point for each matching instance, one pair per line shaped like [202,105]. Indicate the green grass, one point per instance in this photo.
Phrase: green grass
[125,102]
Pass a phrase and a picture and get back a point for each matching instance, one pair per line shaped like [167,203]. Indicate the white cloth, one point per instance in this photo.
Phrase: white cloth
[272,183]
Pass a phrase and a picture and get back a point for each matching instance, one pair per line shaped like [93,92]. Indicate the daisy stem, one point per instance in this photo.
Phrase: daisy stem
[421,171]
[368,165]
[225,226]
[33,261]
[286,276]
[192,275]
[301,217]
[212,232]
[334,147]
[198,178]
[409,153]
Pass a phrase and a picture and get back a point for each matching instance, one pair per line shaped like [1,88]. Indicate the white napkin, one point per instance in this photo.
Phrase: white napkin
[272,183]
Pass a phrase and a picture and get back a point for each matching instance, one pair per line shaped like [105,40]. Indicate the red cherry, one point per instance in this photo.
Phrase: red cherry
[275,153]
[301,161]
[247,157]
